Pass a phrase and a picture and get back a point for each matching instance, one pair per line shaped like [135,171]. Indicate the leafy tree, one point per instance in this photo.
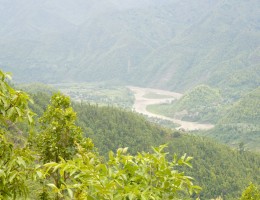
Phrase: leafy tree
[241,147]
[58,131]
[58,136]
[14,160]
[251,193]
[144,176]
[13,103]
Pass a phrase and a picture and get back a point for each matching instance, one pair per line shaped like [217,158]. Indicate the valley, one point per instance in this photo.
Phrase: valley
[141,103]
[130,100]
[111,128]
[201,111]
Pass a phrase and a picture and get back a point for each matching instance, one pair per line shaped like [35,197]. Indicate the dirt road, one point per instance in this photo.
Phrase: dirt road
[141,102]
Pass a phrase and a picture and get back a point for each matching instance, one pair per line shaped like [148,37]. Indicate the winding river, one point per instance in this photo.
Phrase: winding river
[141,102]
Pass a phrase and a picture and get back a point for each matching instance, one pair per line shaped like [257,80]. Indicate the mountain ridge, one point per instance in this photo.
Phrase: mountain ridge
[174,45]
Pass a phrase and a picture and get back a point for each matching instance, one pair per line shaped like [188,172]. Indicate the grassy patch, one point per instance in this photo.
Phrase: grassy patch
[152,95]
[161,109]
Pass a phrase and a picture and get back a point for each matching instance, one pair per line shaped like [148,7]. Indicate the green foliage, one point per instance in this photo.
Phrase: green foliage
[15,162]
[15,169]
[76,170]
[198,98]
[41,101]
[144,176]
[58,136]
[59,132]
[252,192]
[13,103]
[57,148]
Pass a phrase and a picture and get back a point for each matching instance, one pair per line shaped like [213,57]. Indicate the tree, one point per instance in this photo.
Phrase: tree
[252,192]
[241,147]
[14,160]
[59,135]
[144,176]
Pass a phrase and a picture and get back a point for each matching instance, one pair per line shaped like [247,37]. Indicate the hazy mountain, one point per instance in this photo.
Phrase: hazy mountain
[172,44]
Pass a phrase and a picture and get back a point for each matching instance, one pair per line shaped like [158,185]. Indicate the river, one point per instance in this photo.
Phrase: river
[141,102]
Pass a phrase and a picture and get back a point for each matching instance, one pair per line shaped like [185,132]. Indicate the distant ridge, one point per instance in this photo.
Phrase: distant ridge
[165,44]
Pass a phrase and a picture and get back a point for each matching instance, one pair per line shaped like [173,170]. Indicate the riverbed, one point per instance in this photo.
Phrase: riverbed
[142,101]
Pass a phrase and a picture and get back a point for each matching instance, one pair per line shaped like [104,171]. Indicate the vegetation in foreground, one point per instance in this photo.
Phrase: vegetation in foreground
[59,158]
[71,164]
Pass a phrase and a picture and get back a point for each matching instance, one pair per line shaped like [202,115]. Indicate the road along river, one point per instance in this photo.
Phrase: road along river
[141,102]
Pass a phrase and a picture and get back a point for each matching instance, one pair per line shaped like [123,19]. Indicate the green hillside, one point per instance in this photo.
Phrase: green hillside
[217,168]
[201,103]
[240,123]
[236,121]
[246,110]
[111,128]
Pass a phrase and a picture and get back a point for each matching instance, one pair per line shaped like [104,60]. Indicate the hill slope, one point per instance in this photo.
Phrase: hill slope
[236,122]
[240,122]
[200,104]
[217,168]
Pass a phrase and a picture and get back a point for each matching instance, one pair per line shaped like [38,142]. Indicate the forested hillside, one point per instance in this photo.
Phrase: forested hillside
[201,104]
[246,110]
[173,44]
[240,122]
[53,160]
[62,161]
[218,169]
[236,121]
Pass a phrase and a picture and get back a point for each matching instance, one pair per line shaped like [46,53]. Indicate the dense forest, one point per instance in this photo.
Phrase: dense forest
[217,169]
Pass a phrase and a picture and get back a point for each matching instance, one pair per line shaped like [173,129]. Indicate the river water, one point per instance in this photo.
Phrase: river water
[141,102]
